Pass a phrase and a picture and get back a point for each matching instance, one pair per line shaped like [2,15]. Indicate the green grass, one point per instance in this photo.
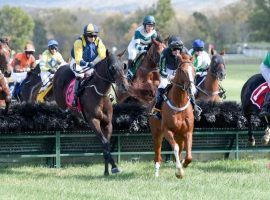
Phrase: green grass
[237,75]
[227,179]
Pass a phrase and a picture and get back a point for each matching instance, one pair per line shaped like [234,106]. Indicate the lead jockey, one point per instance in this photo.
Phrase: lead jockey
[265,71]
[87,51]
[142,38]
[168,65]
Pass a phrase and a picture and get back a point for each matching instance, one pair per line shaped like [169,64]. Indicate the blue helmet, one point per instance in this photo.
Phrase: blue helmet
[53,43]
[149,20]
[198,45]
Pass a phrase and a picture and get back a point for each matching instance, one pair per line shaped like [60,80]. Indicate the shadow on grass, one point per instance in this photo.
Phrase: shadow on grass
[55,174]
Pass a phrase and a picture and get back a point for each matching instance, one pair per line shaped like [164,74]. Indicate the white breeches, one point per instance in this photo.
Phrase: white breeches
[18,77]
[46,78]
[165,81]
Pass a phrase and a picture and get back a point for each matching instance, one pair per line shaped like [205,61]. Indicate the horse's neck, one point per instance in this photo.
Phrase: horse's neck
[210,83]
[102,86]
[178,96]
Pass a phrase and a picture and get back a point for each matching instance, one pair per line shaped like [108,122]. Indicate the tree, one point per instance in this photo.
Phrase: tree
[163,14]
[259,20]
[16,24]
[39,37]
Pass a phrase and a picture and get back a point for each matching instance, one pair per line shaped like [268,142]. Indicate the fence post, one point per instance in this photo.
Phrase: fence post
[237,145]
[118,148]
[57,149]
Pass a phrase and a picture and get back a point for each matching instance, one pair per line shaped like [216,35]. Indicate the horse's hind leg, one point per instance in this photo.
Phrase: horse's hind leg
[188,145]
[157,140]
[266,136]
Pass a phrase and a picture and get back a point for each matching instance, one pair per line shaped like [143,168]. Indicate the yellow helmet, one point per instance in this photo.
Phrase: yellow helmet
[29,48]
[90,29]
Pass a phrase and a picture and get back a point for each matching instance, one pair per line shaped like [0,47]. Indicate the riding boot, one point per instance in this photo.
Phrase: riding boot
[76,92]
[15,90]
[197,110]
[266,105]
[159,100]
[130,69]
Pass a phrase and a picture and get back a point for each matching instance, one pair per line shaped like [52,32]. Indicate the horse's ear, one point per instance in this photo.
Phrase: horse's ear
[222,53]
[121,54]
[212,51]
[154,41]
[165,41]
[107,53]
[180,58]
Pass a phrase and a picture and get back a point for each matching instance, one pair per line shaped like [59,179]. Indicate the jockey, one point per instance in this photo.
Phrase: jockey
[168,65]
[88,50]
[265,71]
[50,62]
[201,61]
[139,42]
[21,64]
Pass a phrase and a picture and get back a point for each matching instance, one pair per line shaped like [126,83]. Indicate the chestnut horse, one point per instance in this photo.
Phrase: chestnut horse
[96,107]
[177,120]
[4,71]
[147,78]
[209,89]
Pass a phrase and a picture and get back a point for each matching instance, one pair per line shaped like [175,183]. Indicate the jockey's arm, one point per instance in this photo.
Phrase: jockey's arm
[101,52]
[137,39]
[78,53]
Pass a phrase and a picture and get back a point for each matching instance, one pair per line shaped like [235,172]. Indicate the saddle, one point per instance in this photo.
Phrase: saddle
[257,96]
[137,62]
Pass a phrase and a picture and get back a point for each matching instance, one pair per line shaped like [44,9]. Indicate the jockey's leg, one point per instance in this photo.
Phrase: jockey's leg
[197,110]
[76,91]
[266,106]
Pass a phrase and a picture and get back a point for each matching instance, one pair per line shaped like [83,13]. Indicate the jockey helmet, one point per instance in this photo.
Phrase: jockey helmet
[29,48]
[175,43]
[198,45]
[91,30]
[149,20]
[53,44]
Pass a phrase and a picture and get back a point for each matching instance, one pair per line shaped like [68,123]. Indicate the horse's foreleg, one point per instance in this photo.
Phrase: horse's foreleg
[188,145]
[179,173]
[108,133]
[251,139]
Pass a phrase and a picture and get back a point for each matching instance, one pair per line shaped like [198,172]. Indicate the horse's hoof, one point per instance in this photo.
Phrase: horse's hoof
[265,139]
[179,173]
[251,142]
[115,170]
[106,173]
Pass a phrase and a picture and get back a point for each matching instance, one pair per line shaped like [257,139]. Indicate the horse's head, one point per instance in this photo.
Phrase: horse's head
[217,67]
[4,55]
[185,74]
[155,50]
[116,72]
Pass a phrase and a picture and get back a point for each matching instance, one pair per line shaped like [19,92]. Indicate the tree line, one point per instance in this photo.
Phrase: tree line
[244,21]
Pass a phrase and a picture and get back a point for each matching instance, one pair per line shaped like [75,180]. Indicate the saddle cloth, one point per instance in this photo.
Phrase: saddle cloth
[257,96]
[70,96]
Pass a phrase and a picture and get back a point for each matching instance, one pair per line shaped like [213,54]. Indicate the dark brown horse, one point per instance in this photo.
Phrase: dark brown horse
[146,80]
[208,89]
[250,109]
[177,120]
[94,99]
[4,71]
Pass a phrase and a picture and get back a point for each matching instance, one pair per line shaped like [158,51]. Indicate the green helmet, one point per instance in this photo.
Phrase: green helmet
[149,20]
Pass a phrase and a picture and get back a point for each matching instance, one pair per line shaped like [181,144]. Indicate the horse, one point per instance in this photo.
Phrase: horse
[29,90]
[96,107]
[250,109]
[146,80]
[177,118]
[5,72]
[208,89]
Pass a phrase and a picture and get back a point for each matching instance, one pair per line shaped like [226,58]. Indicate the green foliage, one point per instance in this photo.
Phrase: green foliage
[202,26]
[259,20]
[163,14]
[39,37]
[17,24]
